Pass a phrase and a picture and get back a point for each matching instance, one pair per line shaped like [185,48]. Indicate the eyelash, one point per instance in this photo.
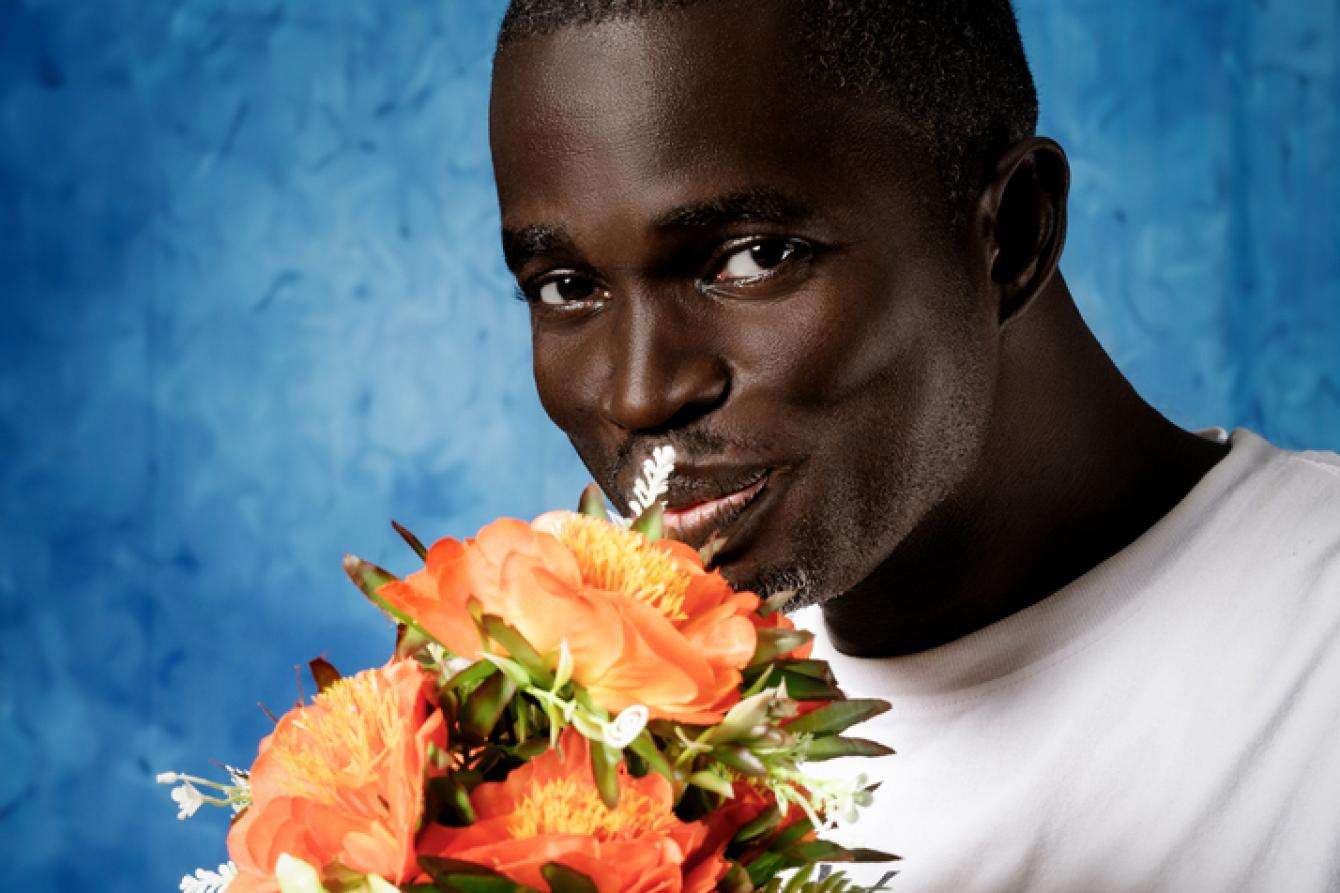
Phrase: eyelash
[800,251]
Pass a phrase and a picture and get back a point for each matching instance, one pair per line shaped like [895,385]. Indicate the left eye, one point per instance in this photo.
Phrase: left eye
[756,260]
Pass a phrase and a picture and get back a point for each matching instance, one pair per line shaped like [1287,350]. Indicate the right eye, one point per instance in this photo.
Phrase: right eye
[564,288]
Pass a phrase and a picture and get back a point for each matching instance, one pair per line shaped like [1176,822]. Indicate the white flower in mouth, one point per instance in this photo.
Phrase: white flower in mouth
[204,881]
[654,483]
[188,799]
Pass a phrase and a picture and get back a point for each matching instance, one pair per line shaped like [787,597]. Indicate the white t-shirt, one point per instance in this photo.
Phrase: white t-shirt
[1169,721]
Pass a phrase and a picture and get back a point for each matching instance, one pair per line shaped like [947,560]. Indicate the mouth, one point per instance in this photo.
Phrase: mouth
[694,521]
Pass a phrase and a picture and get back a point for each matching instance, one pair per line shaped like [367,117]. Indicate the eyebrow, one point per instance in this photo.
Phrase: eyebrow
[759,204]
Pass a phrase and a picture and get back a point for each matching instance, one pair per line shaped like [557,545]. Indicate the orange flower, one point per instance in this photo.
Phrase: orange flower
[645,622]
[549,810]
[341,780]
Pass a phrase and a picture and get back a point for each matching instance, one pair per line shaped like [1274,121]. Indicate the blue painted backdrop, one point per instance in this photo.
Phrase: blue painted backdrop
[254,307]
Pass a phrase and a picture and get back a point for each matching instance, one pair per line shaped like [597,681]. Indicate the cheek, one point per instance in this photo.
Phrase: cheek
[561,380]
[831,347]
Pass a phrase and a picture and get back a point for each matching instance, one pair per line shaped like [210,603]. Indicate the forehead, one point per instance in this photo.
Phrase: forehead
[634,115]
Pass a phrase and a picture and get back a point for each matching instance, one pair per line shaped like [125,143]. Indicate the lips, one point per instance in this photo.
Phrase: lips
[692,517]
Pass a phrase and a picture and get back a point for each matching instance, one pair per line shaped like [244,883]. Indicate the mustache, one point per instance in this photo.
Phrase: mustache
[624,466]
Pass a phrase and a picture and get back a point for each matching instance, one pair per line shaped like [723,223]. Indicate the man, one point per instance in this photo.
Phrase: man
[813,245]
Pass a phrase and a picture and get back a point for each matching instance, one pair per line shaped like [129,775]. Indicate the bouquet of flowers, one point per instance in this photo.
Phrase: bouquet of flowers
[574,704]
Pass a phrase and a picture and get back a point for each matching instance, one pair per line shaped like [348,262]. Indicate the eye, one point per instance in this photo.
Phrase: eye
[564,288]
[757,259]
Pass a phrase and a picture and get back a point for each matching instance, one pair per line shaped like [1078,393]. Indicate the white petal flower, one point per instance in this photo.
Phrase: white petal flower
[168,777]
[296,876]
[654,483]
[626,726]
[188,799]
[563,672]
[453,665]
[204,881]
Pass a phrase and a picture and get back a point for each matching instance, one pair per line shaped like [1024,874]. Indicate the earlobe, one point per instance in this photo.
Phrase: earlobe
[1022,221]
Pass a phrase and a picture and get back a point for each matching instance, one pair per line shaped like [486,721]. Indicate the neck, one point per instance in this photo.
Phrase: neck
[1074,467]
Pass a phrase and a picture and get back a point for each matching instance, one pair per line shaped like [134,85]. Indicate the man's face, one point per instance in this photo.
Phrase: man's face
[721,258]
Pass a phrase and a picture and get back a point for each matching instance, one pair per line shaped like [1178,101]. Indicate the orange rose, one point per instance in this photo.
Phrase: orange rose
[549,810]
[645,622]
[342,780]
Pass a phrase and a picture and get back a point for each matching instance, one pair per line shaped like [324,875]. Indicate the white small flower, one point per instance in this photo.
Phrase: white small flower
[168,777]
[204,881]
[188,799]
[563,672]
[653,484]
[296,876]
[626,726]
[453,665]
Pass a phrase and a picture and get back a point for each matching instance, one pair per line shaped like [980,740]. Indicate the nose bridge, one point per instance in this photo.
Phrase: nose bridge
[665,373]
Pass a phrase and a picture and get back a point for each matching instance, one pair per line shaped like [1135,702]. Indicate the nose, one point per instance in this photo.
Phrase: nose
[665,374]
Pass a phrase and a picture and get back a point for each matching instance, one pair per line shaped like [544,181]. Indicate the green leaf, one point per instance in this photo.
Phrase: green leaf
[741,759]
[764,824]
[563,879]
[414,542]
[324,673]
[776,602]
[774,642]
[518,649]
[592,502]
[807,680]
[790,834]
[736,880]
[711,549]
[440,870]
[605,768]
[645,747]
[409,641]
[817,669]
[830,747]
[826,851]
[836,716]
[583,697]
[447,802]
[484,707]
[474,883]
[765,867]
[476,672]
[649,523]
[529,749]
[808,688]
[799,879]
[710,781]
[369,579]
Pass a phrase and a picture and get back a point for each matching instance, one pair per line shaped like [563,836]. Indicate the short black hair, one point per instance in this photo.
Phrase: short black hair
[953,72]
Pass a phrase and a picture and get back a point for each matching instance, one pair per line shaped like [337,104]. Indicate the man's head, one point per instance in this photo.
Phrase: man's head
[769,234]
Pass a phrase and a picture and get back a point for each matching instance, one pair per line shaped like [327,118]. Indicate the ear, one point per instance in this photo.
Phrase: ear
[1021,221]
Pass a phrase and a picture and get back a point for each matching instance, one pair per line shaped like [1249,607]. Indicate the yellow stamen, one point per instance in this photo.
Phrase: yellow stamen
[336,745]
[565,806]
[622,560]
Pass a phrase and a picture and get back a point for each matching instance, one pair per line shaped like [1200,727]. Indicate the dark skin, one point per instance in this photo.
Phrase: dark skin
[722,257]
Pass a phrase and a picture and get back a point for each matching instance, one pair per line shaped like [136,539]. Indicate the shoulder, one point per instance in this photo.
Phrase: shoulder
[1290,489]
[1277,526]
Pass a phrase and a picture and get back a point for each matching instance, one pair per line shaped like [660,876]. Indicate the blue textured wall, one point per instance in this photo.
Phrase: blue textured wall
[254,307]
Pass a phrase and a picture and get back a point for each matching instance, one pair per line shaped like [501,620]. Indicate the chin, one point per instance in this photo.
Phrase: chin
[768,581]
